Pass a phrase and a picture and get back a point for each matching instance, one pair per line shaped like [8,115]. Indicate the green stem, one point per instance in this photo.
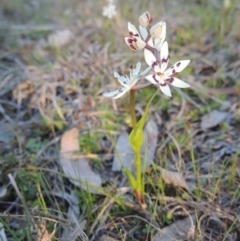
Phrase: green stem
[138,167]
[132,109]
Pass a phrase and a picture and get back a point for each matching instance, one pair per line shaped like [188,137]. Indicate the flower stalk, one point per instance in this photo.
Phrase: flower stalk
[132,108]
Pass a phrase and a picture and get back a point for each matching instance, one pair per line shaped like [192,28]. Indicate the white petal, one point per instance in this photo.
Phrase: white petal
[149,57]
[133,82]
[158,29]
[177,82]
[121,92]
[145,19]
[140,44]
[176,68]
[143,32]
[127,39]
[122,80]
[165,89]
[145,71]
[137,69]
[153,79]
[164,29]
[158,43]
[132,30]
[130,43]
[150,42]
[151,60]
[164,56]
[111,94]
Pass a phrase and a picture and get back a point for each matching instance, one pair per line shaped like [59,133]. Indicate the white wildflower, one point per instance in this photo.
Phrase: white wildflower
[127,82]
[109,10]
[163,77]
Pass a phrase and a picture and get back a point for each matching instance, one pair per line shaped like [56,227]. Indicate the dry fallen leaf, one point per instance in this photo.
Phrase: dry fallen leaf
[43,234]
[77,169]
[60,38]
[73,209]
[180,230]
[124,156]
[23,91]
[173,178]
[213,119]
[123,153]
[73,215]
[78,231]
[149,144]
[74,229]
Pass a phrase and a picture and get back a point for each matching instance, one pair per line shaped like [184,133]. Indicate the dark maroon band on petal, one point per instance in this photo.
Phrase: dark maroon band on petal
[135,35]
[132,47]
[163,84]
[178,64]
[165,60]
[174,71]
[170,80]
[154,77]
[155,63]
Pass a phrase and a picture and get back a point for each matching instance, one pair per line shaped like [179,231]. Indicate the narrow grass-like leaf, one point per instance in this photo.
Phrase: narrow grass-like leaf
[131,178]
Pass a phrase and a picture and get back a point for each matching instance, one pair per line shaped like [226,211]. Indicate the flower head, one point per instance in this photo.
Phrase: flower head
[135,41]
[126,82]
[145,19]
[156,36]
[109,10]
[163,77]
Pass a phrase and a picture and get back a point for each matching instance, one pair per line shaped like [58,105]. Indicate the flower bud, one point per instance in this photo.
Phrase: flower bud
[135,44]
[140,44]
[158,29]
[145,19]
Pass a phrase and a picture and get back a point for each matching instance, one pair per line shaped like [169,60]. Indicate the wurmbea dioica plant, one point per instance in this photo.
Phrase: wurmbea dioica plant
[151,40]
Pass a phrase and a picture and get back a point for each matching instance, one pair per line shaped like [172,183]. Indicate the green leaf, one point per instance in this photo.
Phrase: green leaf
[131,179]
[136,136]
